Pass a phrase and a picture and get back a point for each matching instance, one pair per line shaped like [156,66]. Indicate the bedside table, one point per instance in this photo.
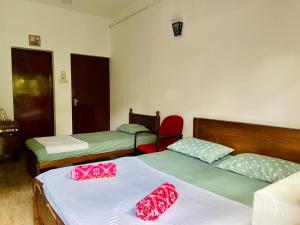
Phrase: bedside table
[10,143]
[9,147]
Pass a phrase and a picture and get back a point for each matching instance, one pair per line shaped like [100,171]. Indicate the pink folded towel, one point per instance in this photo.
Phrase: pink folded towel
[156,203]
[101,170]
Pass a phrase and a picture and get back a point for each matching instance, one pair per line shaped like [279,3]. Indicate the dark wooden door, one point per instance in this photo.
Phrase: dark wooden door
[90,92]
[33,92]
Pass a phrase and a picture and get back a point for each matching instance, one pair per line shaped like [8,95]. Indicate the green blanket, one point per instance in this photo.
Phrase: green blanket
[230,185]
[99,142]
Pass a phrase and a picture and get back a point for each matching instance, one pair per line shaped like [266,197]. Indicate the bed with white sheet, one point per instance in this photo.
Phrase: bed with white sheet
[112,200]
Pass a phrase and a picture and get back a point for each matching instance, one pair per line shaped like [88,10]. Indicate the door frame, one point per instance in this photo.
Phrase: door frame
[51,80]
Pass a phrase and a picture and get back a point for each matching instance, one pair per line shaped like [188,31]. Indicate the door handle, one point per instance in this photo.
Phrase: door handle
[75,102]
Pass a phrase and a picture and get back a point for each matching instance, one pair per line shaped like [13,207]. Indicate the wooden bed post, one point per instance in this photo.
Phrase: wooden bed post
[130,115]
[157,120]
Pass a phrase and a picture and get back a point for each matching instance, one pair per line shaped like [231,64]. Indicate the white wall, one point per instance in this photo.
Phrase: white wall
[63,32]
[237,60]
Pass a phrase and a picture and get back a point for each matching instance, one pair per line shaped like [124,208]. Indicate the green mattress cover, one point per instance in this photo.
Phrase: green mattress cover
[228,184]
[99,142]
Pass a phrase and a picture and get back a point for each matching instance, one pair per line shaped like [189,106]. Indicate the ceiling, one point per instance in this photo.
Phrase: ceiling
[103,8]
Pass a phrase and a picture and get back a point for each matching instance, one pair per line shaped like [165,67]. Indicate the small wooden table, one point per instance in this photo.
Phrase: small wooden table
[10,143]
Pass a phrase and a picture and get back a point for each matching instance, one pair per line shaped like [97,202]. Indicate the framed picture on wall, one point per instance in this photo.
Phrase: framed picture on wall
[34,40]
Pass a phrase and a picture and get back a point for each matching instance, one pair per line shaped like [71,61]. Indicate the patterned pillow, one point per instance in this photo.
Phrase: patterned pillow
[260,167]
[205,150]
[131,128]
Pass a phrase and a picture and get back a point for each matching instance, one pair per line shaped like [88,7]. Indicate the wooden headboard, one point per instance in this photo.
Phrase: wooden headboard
[277,142]
[151,122]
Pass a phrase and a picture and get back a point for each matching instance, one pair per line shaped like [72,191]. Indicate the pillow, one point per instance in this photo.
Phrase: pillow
[260,167]
[205,150]
[131,128]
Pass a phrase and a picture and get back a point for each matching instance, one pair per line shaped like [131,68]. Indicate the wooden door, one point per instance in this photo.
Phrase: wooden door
[33,92]
[90,93]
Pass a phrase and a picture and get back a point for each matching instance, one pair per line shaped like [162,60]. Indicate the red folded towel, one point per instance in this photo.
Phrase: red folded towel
[101,170]
[156,203]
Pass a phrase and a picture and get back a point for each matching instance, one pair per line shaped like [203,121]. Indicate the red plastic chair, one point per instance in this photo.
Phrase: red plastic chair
[169,132]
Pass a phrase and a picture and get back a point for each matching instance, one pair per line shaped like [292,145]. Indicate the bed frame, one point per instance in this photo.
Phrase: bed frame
[283,143]
[243,137]
[34,167]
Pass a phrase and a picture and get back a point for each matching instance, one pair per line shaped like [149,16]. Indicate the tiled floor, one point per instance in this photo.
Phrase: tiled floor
[15,194]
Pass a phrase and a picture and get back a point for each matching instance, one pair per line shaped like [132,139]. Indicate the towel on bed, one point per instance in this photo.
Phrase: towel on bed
[156,203]
[62,143]
[102,170]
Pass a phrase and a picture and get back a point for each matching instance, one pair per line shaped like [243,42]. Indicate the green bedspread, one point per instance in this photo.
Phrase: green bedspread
[230,185]
[99,142]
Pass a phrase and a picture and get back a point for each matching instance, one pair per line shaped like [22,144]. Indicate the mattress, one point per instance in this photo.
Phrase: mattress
[99,142]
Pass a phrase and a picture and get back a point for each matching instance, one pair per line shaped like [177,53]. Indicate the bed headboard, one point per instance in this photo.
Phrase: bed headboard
[151,122]
[277,142]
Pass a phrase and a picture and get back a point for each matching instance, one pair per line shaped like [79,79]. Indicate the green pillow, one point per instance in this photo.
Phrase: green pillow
[205,150]
[260,167]
[131,128]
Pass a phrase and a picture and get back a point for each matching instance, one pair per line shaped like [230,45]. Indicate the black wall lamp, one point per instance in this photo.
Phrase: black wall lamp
[177,28]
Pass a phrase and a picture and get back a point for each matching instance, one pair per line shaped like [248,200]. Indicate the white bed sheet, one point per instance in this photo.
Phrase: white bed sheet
[62,143]
[111,201]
